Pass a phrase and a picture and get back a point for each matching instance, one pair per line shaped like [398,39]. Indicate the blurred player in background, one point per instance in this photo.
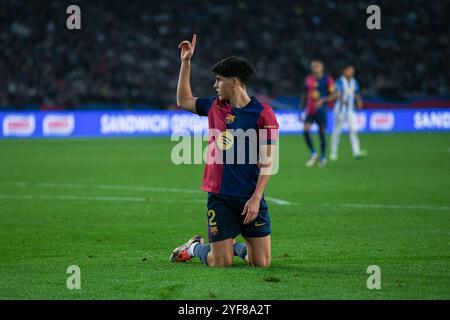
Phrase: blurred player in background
[348,93]
[236,203]
[318,93]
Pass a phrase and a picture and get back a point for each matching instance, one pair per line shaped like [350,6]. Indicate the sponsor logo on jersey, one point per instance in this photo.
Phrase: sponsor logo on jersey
[225,140]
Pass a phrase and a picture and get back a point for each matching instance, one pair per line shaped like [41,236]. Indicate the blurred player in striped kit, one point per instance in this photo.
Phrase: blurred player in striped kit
[348,93]
[319,93]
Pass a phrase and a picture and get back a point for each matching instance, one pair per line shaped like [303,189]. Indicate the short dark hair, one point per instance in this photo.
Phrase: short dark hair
[234,67]
[348,65]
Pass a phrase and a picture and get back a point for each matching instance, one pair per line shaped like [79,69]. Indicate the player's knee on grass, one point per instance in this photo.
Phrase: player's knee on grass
[221,254]
[258,250]
[261,261]
[223,260]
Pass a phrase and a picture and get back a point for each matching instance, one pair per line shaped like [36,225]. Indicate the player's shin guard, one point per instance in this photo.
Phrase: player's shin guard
[240,250]
[308,141]
[201,251]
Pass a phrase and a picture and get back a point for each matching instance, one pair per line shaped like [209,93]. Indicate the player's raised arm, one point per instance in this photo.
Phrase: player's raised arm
[185,100]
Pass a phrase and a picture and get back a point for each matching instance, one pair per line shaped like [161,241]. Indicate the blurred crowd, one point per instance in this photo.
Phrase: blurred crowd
[126,51]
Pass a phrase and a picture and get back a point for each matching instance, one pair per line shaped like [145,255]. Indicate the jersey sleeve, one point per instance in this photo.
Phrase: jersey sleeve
[202,105]
[268,126]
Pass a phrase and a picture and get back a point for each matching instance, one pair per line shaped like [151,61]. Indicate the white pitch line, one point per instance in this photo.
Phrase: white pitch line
[106,187]
[281,202]
[137,188]
[131,188]
[394,206]
[60,185]
[90,198]
[383,206]
[83,198]
[277,201]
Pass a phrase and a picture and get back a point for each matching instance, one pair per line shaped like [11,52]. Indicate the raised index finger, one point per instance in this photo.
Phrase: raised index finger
[194,40]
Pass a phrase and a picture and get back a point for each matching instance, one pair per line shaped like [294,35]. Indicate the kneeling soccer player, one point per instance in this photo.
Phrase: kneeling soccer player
[236,203]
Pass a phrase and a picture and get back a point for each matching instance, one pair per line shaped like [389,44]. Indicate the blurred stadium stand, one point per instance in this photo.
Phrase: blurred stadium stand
[126,55]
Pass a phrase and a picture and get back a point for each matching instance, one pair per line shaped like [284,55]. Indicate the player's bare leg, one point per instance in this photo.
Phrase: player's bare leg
[258,251]
[221,254]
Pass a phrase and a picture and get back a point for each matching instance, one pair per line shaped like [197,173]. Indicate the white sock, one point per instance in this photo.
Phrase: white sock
[191,249]
[355,144]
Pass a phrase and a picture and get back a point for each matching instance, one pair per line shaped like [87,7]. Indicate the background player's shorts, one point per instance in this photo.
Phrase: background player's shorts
[225,220]
[319,118]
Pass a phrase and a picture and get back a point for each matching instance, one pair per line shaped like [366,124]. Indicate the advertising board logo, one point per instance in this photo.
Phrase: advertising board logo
[360,120]
[19,125]
[58,125]
[432,120]
[134,124]
[382,121]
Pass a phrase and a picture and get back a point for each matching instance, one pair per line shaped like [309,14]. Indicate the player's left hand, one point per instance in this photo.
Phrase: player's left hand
[319,103]
[251,209]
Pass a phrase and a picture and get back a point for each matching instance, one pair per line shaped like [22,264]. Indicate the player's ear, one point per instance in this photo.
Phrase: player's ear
[236,82]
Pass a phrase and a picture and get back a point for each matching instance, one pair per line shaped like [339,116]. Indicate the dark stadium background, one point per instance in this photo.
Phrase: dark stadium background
[125,56]
[88,177]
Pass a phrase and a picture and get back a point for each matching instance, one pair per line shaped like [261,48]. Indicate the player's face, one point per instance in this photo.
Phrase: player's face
[317,68]
[349,72]
[224,87]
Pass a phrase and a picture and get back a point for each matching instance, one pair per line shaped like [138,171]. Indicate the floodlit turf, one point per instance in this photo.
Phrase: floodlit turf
[117,207]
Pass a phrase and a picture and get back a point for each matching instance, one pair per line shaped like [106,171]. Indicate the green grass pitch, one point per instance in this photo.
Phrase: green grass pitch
[117,207]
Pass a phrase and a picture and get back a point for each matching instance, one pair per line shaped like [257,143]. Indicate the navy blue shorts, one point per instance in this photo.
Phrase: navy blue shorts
[225,220]
[320,118]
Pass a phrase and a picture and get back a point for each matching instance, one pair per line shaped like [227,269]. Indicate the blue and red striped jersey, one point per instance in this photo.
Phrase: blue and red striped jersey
[234,140]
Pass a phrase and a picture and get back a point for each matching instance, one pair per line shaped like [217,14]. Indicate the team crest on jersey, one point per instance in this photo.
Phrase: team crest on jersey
[230,118]
[214,231]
